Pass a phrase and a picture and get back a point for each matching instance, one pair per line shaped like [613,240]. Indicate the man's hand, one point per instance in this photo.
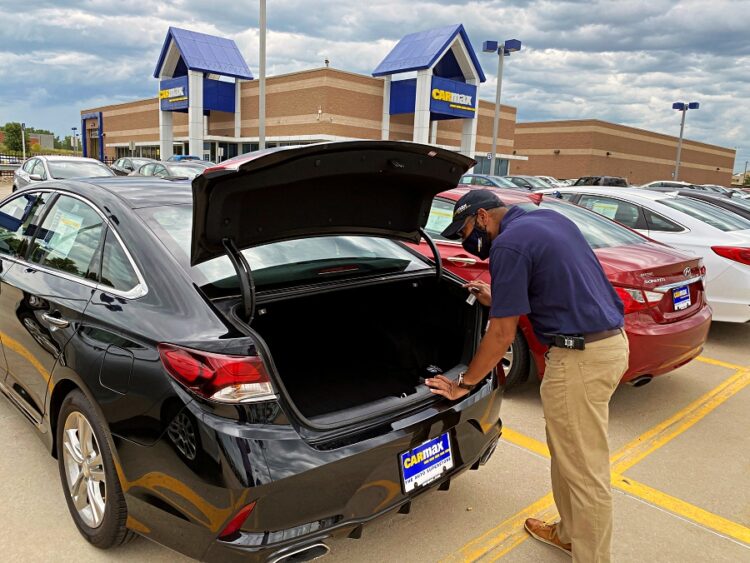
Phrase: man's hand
[481,290]
[448,388]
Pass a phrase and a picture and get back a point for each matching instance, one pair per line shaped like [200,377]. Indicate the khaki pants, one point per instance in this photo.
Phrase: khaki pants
[575,391]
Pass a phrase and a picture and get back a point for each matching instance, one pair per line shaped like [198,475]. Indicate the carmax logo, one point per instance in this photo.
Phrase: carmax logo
[178,92]
[453,98]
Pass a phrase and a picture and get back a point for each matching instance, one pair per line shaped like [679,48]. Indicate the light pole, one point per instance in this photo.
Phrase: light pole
[683,107]
[503,50]
[73,140]
[262,79]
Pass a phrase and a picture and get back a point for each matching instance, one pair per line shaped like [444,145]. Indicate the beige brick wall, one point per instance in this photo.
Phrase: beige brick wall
[640,155]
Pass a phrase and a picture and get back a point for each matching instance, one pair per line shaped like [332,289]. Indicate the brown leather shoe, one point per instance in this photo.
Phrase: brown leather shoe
[546,533]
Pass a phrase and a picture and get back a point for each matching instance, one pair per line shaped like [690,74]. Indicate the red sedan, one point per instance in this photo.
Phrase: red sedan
[667,316]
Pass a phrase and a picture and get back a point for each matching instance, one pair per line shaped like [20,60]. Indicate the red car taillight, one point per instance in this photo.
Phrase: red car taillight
[738,254]
[219,377]
[637,299]
[236,523]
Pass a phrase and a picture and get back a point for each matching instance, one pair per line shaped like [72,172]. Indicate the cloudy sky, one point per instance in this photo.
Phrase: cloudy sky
[624,61]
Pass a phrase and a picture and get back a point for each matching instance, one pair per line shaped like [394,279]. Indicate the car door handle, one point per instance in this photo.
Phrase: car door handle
[54,321]
[462,261]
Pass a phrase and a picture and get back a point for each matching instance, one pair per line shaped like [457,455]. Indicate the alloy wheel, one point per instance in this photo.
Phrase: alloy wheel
[507,360]
[84,469]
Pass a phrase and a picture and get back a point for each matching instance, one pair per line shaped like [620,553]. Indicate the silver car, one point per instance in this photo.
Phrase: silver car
[41,168]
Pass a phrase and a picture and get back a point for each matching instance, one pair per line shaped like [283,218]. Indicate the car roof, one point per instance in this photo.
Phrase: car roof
[613,190]
[133,191]
[67,158]
[507,195]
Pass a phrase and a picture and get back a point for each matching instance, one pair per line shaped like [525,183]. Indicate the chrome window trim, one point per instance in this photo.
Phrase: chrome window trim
[667,287]
[140,290]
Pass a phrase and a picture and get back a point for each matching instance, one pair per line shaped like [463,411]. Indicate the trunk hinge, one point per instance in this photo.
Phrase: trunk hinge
[245,275]
[431,243]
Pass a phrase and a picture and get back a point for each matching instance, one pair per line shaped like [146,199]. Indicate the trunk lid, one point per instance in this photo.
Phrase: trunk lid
[656,269]
[377,188]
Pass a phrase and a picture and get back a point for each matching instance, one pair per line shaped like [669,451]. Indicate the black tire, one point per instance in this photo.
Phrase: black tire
[112,530]
[519,369]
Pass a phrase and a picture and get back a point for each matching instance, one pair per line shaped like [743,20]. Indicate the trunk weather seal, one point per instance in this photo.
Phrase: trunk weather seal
[245,276]
[435,252]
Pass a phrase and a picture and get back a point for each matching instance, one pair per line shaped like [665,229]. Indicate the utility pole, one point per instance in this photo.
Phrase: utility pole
[262,79]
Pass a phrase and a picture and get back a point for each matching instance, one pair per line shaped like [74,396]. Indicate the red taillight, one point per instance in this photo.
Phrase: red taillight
[736,253]
[219,377]
[636,299]
[236,523]
[536,198]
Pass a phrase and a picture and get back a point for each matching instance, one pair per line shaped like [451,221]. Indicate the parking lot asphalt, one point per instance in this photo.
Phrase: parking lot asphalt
[680,473]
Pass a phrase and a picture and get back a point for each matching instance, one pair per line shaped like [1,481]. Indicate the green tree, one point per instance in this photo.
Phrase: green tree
[747,180]
[13,137]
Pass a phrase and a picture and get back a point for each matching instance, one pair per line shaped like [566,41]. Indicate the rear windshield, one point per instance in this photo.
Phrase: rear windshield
[598,231]
[62,170]
[707,213]
[281,264]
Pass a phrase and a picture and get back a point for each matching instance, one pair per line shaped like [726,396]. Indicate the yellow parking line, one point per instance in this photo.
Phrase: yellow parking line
[719,363]
[681,508]
[655,438]
[509,534]
[505,536]
[525,442]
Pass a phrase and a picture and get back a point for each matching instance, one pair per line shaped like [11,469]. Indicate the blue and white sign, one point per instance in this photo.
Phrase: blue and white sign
[426,463]
[454,98]
[173,94]
[681,297]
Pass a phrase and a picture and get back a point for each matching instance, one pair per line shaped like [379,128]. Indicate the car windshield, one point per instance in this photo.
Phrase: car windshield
[185,171]
[503,182]
[285,263]
[538,182]
[138,162]
[598,231]
[706,213]
[62,169]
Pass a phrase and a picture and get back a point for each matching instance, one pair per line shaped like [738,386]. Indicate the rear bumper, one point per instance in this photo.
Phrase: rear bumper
[303,494]
[656,349]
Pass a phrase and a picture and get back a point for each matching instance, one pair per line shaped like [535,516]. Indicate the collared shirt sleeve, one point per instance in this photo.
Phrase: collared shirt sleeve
[511,272]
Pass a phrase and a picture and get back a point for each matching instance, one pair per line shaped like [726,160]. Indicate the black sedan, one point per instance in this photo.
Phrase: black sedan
[128,165]
[234,368]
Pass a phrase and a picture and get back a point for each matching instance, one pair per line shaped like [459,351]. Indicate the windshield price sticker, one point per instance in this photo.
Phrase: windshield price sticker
[426,463]
[681,297]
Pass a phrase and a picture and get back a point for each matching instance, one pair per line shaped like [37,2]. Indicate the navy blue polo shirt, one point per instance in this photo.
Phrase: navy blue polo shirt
[542,266]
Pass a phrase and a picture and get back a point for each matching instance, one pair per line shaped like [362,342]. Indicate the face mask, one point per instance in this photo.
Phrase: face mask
[478,242]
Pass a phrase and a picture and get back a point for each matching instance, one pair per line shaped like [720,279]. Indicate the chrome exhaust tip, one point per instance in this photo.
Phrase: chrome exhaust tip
[306,553]
[640,381]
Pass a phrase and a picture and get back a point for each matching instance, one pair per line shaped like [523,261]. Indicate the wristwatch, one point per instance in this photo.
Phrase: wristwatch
[463,385]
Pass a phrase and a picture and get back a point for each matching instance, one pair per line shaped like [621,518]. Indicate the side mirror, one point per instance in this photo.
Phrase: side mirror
[35,178]
[128,167]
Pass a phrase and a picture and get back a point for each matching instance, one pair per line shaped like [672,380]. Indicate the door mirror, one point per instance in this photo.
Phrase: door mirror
[35,178]
[128,167]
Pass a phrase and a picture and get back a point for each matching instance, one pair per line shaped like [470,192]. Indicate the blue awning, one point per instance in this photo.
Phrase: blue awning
[205,53]
[421,50]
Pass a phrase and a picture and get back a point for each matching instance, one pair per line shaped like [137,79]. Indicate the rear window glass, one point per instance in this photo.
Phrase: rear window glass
[62,170]
[285,263]
[598,231]
[707,213]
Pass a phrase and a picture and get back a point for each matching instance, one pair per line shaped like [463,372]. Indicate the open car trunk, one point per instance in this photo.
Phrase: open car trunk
[360,352]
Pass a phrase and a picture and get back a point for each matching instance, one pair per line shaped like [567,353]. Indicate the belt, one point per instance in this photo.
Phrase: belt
[596,336]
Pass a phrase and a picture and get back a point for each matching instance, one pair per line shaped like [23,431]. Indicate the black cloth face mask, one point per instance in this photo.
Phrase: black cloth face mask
[478,243]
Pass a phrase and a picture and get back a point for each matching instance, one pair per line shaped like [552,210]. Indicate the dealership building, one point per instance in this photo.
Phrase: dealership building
[424,90]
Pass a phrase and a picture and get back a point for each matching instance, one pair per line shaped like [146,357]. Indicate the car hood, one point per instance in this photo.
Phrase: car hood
[377,188]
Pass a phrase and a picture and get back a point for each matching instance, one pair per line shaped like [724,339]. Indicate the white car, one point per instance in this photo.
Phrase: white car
[41,168]
[721,237]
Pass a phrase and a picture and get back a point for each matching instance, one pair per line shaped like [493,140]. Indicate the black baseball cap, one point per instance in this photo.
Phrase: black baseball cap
[468,205]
